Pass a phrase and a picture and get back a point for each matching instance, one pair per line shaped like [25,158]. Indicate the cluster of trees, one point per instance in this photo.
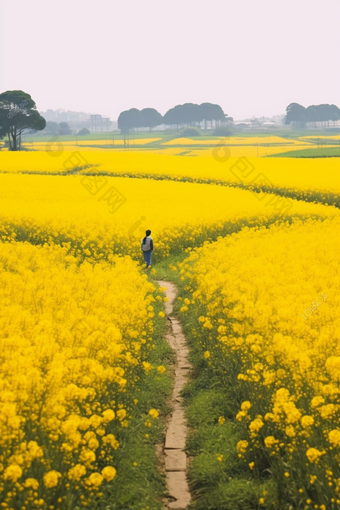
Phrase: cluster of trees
[55,128]
[62,128]
[18,113]
[300,115]
[188,114]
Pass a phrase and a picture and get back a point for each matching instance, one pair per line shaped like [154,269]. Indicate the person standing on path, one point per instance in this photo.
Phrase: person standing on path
[147,247]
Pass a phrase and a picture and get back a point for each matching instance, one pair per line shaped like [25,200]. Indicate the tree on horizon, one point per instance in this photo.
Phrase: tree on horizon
[18,113]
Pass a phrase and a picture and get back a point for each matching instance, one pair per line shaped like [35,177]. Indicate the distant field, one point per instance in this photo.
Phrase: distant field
[282,142]
[322,152]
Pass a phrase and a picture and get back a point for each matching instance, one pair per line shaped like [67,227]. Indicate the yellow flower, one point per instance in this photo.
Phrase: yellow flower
[95,479]
[328,411]
[256,425]
[314,455]
[108,415]
[87,457]
[51,479]
[154,413]
[31,483]
[121,414]
[13,472]
[334,437]
[245,406]
[161,369]
[109,473]
[76,472]
[270,441]
[290,431]
[242,446]
[93,444]
[35,450]
[147,366]
[221,420]
[312,479]
[95,420]
[207,354]
[111,440]
[161,314]
[316,401]
[307,421]
[240,415]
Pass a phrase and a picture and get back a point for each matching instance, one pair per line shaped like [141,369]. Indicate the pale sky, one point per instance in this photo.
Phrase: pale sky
[253,57]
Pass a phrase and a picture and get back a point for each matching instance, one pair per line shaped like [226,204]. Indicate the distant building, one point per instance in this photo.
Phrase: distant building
[259,124]
[79,120]
[99,123]
[270,124]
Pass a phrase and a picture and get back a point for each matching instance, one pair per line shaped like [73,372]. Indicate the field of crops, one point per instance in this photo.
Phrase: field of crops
[84,373]
[267,306]
[314,180]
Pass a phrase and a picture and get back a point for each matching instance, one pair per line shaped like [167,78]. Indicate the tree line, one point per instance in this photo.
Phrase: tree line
[18,113]
[296,113]
[188,114]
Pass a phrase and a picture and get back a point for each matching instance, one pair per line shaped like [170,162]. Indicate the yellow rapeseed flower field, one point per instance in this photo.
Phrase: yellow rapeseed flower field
[74,341]
[311,178]
[99,217]
[78,314]
[236,140]
[268,306]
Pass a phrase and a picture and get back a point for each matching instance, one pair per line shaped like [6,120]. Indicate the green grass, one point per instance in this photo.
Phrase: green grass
[328,152]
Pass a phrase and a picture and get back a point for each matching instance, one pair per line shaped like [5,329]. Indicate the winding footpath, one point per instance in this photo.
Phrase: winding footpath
[175,456]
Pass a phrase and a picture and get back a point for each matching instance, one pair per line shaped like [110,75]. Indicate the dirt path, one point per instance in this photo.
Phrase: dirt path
[175,457]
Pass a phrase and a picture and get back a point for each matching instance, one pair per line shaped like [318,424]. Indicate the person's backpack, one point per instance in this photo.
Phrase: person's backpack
[147,244]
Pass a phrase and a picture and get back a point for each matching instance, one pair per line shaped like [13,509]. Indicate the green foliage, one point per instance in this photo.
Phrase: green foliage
[134,118]
[298,114]
[84,131]
[64,128]
[222,131]
[151,118]
[178,115]
[191,131]
[327,152]
[18,114]
[51,127]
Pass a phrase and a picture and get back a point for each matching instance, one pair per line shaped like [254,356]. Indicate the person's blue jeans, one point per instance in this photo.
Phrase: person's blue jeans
[147,257]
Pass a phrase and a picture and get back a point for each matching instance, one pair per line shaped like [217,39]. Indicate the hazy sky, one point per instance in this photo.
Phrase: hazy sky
[253,57]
